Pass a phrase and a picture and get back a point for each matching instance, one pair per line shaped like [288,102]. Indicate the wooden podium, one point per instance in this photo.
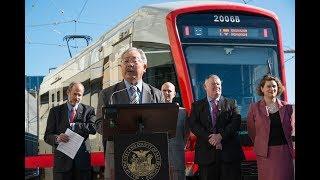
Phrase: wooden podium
[139,135]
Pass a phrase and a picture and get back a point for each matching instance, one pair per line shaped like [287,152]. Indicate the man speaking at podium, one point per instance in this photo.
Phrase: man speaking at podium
[132,90]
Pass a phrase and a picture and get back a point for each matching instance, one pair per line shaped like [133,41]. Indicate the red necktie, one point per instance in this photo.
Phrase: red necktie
[72,115]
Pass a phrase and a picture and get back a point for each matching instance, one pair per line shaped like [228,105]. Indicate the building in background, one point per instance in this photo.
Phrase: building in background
[32,83]
[30,113]
[31,132]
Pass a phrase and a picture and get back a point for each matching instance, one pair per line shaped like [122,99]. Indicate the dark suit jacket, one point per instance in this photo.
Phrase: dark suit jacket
[150,94]
[227,124]
[57,123]
[177,144]
[259,125]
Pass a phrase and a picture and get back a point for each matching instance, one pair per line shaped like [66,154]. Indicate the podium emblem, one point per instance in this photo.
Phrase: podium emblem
[141,160]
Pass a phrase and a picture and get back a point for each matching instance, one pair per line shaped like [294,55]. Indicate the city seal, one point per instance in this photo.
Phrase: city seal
[141,161]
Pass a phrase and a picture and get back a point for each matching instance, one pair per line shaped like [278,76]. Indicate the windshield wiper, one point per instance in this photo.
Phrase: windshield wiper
[269,66]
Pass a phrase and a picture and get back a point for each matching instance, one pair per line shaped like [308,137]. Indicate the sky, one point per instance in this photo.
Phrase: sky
[48,21]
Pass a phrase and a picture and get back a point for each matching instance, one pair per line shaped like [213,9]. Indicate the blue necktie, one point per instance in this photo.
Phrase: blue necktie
[134,99]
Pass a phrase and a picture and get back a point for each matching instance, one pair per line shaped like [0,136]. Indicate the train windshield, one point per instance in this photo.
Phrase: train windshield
[239,67]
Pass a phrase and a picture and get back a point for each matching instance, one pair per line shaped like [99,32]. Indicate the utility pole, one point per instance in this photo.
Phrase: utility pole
[38,103]
[28,118]
[38,133]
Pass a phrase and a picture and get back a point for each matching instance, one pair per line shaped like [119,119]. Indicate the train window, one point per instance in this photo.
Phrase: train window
[105,60]
[65,95]
[58,96]
[87,88]
[44,98]
[52,100]
[150,46]
[96,85]
[160,68]
[95,55]
[240,70]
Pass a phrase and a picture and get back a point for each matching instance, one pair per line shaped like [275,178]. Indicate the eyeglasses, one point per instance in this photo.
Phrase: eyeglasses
[133,60]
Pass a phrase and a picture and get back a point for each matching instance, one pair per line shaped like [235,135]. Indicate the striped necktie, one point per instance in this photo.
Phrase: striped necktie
[72,114]
[134,99]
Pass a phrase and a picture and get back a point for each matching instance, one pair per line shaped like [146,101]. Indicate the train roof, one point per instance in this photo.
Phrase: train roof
[171,6]
[161,9]
[183,4]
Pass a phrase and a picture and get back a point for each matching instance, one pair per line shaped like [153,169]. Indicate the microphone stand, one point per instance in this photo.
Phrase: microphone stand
[111,116]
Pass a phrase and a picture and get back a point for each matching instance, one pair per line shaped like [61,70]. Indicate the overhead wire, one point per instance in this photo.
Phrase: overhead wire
[76,20]
[32,7]
[52,44]
[84,22]
[287,60]
[82,10]
[64,22]
[59,9]
[50,24]
[289,50]
[48,44]
[246,2]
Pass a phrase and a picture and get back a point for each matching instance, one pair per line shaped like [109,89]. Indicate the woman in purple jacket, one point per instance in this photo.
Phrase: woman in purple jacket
[270,125]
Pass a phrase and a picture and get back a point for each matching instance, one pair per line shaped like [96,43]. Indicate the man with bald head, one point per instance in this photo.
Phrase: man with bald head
[176,144]
[215,121]
[169,91]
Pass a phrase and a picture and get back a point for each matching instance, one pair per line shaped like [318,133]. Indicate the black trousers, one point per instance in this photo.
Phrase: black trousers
[220,171]
[74,174]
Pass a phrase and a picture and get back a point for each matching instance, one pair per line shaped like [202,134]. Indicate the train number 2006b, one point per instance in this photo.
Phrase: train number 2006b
[221,18]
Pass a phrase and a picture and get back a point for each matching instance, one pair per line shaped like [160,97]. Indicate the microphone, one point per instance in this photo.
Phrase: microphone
[112,115]
[110,99]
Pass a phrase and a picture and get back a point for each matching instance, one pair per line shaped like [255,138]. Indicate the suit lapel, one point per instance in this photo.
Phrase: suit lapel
[263,110]
[146,94]
[64,115]
[281,110]
[206,111]
[121,97]
[221,106]
[79,112]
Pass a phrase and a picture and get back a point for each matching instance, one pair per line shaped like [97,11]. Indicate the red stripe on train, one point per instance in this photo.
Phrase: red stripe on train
[97,159]
[46,160]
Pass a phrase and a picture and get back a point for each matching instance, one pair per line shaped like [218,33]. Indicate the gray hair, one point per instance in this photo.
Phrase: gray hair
[212,76]
[142,54]
[73,84]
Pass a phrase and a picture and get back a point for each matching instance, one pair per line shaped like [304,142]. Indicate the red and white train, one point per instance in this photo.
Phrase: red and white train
[184,42]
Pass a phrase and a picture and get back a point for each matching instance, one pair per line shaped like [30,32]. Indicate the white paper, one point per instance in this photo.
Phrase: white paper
[72,146]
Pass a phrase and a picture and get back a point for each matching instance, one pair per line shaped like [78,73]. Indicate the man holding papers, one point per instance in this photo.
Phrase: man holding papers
[78,118]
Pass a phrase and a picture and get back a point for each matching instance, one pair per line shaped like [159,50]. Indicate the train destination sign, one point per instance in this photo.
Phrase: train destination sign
[212,32]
